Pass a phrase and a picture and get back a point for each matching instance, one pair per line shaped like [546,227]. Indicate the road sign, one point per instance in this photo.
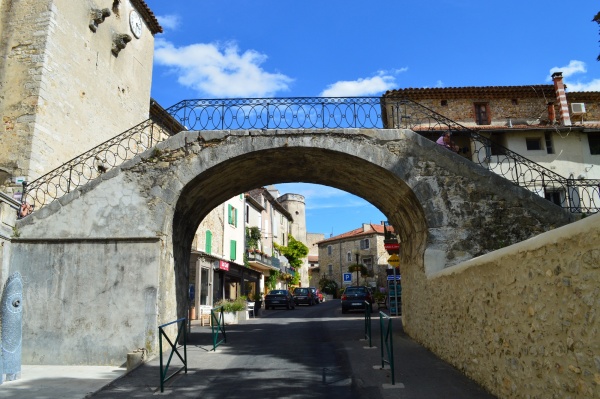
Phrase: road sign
[394,260]
[347,278]
[398,277]
[392,246]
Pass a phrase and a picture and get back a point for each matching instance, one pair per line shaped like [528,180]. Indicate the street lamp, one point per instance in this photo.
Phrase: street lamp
[357,269]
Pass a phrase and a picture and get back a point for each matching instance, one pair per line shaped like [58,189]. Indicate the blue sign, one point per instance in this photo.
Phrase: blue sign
[347,277]
[398,277]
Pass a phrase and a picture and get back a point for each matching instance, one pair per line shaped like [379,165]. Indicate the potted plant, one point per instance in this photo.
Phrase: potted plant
[232,308]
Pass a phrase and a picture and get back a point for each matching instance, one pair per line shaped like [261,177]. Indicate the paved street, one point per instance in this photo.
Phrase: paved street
[303,353]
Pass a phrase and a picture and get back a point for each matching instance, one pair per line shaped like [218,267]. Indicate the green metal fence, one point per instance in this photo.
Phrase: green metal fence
[181,328]
[217,326]
[368,323]
[387,342]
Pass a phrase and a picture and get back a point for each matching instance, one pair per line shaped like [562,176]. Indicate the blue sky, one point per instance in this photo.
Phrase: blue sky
[279,48]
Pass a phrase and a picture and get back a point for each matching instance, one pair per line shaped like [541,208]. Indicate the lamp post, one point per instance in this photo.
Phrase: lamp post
[357,269]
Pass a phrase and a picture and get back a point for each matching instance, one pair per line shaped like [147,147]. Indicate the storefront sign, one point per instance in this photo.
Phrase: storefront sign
[223,265]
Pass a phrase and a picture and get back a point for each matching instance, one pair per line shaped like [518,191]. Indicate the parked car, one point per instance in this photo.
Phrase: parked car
[316,294]
[279,298]
[304,296]
[354,298]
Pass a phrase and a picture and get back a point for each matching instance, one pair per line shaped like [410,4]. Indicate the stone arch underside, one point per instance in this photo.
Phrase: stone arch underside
[445,209]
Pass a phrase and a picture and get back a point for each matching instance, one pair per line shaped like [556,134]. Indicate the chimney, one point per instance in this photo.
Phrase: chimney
[551,113]
[561,97]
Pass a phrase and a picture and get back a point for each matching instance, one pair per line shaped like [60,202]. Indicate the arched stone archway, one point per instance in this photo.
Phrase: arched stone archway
[127,235]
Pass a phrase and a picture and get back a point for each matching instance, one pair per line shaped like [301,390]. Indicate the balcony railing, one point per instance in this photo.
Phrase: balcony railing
[263,259]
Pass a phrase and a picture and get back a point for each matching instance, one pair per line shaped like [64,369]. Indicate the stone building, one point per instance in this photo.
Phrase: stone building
[365,244]
[73,74]
[546,124]
[314,271]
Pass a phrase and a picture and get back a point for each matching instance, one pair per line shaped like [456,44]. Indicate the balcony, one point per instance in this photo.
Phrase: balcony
[262,262]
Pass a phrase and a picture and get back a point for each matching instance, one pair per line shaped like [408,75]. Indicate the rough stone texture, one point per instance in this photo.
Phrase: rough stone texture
[521,321]
[435,199]
[53,110]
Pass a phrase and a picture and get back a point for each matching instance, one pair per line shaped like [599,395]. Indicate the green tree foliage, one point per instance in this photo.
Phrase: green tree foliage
[597,20]
[294,253]
[252,237]
[328,286]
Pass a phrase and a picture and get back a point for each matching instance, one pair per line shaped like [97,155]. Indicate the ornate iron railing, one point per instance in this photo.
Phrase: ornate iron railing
[312,113]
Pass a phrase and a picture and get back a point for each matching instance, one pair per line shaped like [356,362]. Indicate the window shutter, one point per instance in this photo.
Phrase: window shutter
[208,244]
[229,208]
[232,249]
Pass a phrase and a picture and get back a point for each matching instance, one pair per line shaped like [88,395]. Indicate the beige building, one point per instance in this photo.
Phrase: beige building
[72,75]
[364,246]
[557,129]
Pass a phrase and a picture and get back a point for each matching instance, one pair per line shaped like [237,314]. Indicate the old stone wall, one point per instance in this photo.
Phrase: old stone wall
[63,90]
[522,321]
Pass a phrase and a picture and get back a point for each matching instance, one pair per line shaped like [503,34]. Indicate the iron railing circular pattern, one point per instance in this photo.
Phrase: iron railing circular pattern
[91,164]
[311,113]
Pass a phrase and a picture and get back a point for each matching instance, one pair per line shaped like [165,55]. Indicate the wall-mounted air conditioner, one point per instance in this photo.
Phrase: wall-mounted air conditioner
[577,108]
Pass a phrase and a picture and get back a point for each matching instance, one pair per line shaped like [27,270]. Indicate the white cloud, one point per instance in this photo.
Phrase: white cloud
[574,68]
[168,21]
[317,196]
[378,84]
[220,70]
[571,69]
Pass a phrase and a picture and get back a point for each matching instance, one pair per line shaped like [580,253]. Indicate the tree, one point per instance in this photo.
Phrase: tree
[597,20]
[294,253]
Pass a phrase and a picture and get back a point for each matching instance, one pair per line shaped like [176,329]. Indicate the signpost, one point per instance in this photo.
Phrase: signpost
[394,261]
[347,278]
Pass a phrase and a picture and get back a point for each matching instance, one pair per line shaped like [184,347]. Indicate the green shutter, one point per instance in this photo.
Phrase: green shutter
[229,207]
[235,216]
[232,249]
[208,244]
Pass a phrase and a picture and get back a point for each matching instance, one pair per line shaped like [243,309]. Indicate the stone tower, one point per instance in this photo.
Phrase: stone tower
[73,74]
[296,206]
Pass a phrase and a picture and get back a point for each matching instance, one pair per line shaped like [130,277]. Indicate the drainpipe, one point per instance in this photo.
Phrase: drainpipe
[561,97]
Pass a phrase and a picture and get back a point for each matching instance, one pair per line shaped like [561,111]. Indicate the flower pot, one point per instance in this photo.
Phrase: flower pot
[230,318]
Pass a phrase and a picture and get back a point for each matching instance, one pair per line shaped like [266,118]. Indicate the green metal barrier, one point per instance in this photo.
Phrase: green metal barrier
[181,328]
[368,322]
[388,342]
[217,326]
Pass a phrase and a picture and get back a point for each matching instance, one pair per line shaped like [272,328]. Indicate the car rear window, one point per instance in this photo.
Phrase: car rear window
[355,290]
[301,291]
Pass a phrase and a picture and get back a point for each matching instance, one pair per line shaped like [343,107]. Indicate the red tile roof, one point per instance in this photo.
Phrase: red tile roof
[148,15]
[375,229]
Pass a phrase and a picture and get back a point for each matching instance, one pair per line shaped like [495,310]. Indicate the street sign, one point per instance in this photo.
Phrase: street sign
[398,277]
[394,260]
[392,246]
[347,278]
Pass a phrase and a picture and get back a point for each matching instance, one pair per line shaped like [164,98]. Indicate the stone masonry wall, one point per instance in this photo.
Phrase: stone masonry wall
[522,321]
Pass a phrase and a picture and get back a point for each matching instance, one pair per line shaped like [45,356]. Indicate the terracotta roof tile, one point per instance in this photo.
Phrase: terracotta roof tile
[376,229]
[148,15]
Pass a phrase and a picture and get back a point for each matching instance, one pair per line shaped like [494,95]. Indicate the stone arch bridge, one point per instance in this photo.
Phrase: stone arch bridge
[107,263]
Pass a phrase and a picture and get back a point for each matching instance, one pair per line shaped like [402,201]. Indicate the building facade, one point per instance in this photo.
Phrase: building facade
[546,124]
[364,246]
[53,110]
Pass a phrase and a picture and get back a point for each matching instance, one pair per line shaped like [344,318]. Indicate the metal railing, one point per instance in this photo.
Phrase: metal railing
[368,323]
[181,328]
[217,326]
[387,342]
[313,113]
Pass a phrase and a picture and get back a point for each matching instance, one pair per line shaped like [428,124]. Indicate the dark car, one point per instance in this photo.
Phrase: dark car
[304,296]
[354,298]
[279,298]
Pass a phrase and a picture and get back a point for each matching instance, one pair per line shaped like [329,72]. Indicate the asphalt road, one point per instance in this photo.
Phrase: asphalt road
[310,352]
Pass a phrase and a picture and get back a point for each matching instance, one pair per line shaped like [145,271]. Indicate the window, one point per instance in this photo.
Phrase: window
[444,103]
[554,196]
[349,256]
[208,243]
[594,141]
[365,244]
[368,262]
[232,215]
[329,250]
[232,249]
[533,144]
[482,114]
[330,269]
[548,140]
[514,101]
[247,214]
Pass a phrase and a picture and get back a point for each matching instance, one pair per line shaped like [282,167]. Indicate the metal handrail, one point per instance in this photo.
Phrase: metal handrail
[181,324]
[217,326]
[368,322]
[387,342]
[309,113]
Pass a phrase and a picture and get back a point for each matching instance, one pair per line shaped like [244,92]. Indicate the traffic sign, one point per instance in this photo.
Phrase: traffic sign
[398,277]
[347,278]
[392,246]
[394,260]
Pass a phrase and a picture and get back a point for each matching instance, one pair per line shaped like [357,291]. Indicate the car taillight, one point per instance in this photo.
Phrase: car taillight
[344,297]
